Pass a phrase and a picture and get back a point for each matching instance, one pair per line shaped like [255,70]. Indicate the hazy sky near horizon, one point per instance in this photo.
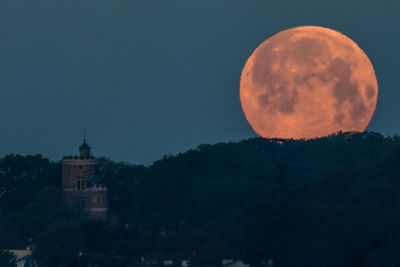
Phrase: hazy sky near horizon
[148,78]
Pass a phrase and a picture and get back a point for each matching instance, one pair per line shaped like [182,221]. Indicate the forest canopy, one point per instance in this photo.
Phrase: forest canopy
[332,201]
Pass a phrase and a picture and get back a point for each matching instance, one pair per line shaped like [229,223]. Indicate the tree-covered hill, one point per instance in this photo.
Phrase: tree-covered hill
[332,201]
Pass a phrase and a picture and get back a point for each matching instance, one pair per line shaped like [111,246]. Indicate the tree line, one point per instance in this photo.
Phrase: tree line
[331,201]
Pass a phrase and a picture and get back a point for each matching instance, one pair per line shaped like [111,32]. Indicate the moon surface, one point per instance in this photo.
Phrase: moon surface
[308,82]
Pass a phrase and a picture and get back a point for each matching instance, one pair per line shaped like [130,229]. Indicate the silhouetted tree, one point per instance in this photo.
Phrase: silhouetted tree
[7,259]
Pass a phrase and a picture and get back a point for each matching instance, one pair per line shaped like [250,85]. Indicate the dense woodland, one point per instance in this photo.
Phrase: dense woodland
[333,201]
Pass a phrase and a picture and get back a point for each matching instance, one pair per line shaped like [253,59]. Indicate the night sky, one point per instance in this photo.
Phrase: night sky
[149,78]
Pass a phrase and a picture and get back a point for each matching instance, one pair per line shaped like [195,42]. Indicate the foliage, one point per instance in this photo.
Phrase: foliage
[7,259]
[61,243]
[21,177]
[332,201]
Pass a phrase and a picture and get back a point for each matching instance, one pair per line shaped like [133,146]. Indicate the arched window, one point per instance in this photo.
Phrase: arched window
[80,183]
[96,199]
[81,201]
[82,204]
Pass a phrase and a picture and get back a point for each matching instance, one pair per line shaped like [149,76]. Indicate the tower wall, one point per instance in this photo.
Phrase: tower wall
[79,188]
[97,202]
[73,170]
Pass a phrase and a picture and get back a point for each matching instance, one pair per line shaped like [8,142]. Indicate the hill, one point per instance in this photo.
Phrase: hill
[332,201]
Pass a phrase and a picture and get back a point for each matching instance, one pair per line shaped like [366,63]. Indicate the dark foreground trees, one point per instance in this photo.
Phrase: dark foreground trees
[7,259]
[61,243]
[333,201]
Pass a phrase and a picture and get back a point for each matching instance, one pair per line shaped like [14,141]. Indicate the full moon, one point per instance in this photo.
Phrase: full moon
[308,82]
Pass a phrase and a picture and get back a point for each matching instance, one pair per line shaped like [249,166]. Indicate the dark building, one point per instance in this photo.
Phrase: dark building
[80,183]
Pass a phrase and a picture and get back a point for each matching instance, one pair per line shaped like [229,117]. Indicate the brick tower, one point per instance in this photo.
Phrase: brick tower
[80,184]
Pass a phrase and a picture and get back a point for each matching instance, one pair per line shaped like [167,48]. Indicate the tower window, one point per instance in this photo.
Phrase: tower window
[96,199]
[81,201]
[80,183]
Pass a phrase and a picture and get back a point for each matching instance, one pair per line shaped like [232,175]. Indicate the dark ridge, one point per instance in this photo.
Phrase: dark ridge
[331,201]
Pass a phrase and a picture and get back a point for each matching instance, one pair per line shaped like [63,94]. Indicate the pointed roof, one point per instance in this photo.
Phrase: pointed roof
[84,146]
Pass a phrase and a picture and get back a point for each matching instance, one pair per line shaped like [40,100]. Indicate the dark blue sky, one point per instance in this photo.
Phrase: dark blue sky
[148,78]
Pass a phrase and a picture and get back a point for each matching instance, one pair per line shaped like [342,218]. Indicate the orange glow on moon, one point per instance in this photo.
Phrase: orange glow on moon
[308,82]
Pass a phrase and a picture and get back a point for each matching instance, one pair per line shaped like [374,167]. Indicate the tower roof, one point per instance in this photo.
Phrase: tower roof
[84,146]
